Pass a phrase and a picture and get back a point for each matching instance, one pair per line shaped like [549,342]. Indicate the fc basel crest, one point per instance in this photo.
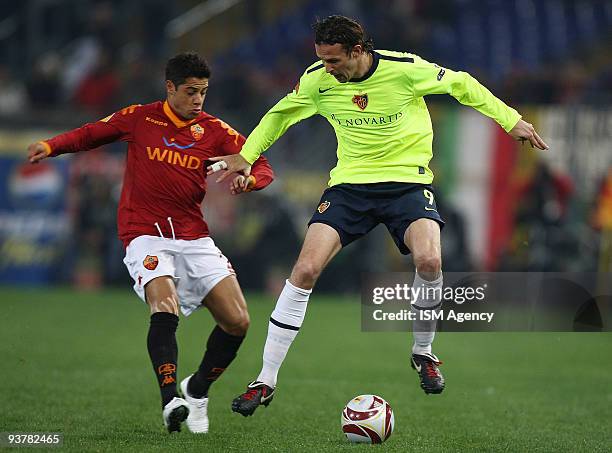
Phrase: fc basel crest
[323,207]
[150,262]
[197,131]
[361,100]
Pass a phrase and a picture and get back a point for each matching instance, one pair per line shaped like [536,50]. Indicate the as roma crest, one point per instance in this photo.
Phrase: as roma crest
[150,262]
[323,207]
[361,100]
[166,368]
[197,131]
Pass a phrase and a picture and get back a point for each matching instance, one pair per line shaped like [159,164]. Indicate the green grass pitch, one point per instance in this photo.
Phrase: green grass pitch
[76,363]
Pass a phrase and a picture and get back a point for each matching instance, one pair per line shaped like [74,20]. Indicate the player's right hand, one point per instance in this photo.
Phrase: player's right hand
[241,184]
[234,163]
[37,152]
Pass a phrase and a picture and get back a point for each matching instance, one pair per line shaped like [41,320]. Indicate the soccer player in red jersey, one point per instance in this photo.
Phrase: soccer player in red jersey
[169,253]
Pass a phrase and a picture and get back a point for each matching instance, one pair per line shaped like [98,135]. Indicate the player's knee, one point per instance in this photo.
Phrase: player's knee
[428,264]
[238,325]
[305,274]
[164,305]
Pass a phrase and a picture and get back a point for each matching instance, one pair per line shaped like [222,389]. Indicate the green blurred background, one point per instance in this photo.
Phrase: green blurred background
[76,363]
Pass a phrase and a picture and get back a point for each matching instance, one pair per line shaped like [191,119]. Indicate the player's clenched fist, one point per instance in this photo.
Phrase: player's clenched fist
[37,152]
[242,184]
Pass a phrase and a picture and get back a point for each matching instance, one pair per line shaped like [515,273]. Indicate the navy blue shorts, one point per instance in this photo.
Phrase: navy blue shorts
[355,209]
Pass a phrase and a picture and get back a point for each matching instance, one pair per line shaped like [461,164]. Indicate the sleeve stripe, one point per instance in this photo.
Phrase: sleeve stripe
[47,147]
[252,182]
[316,68]
[404,59]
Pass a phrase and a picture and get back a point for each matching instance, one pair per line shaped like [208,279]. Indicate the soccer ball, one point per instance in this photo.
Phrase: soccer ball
[367,418]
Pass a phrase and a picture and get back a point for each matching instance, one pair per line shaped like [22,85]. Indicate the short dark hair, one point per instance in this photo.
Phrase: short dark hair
[341,30]
[185,65]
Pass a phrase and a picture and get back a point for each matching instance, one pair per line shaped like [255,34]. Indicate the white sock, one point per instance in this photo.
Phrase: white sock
[283,327]
[425,331]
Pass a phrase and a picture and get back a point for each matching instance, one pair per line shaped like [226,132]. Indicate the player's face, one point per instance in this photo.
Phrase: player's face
[187,99]
[342,66]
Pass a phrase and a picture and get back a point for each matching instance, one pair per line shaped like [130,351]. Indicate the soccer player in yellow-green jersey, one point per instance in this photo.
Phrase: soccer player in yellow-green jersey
[374,101]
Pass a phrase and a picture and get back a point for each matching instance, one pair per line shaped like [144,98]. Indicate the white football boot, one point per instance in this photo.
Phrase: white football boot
[175,413]
[197,421]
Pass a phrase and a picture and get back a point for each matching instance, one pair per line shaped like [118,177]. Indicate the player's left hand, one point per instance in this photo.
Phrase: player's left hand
[234,163]
[37,152]
[242,184]
[525,131]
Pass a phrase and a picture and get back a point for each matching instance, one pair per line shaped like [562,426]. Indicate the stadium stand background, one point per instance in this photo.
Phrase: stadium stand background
[65,62]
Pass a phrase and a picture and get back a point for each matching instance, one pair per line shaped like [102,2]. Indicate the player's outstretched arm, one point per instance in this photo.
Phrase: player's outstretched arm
[37,152]
[525,131]
[294,107]
[114,127]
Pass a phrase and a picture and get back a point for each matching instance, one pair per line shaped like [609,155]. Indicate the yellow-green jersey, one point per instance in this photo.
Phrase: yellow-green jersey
[381,121]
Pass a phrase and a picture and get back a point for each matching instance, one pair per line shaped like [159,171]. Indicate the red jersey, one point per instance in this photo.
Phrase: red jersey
[165,174]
